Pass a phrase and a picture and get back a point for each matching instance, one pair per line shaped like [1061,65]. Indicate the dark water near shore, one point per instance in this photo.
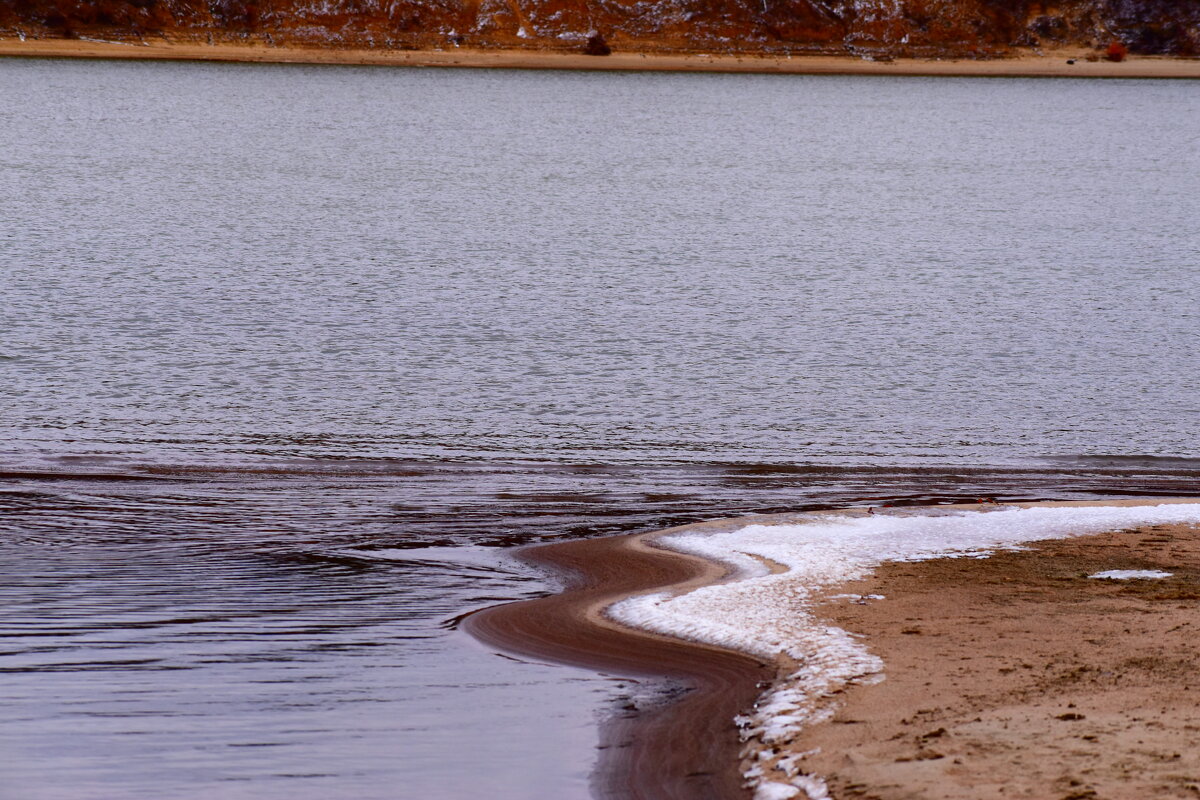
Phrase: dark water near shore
[291,357]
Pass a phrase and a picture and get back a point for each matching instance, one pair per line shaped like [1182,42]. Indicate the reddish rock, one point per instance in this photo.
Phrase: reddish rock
[596,46]
[1116,52]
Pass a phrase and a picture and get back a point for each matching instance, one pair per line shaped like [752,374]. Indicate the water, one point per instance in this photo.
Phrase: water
[290,357]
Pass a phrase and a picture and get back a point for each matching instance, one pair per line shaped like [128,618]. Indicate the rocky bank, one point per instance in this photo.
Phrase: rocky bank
[878,29]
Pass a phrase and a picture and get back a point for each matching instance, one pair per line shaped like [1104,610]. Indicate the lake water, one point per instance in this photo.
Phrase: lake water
[291,358]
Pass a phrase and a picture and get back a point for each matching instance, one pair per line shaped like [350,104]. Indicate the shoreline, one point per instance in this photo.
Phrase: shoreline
[641,756]
[1050,65]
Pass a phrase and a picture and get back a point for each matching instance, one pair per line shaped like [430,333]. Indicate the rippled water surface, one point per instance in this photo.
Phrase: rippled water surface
[291,358]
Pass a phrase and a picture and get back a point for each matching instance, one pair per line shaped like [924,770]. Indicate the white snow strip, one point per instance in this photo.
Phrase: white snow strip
[775,791]
[861,599]
[769,614]
[1131,574]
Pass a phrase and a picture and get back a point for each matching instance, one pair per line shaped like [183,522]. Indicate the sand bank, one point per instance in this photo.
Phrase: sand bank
[1049,65]
[1005,672]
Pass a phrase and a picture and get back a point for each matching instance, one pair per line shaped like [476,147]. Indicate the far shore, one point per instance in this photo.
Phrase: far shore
[1051,64]
[1012,671]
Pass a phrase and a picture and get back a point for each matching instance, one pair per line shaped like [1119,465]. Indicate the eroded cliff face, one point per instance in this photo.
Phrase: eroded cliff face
[872,28]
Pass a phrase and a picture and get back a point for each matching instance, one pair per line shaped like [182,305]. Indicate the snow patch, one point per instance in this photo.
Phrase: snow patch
[1131,574]
[775,791]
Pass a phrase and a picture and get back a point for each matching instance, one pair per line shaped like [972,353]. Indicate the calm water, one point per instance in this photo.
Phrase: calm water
[290,358]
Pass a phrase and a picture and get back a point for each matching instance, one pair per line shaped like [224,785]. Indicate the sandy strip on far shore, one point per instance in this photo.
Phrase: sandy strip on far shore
[1049,65]
[1010,676]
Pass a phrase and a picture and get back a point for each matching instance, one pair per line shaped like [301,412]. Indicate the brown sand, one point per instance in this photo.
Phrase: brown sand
[1026,65]
[1017,676]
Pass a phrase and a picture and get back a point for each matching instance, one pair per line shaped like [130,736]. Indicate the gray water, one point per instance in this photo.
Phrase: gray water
[291,357]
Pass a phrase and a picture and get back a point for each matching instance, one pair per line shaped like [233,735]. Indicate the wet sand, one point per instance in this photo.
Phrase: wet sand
[1010,676]
[1047,65]
[685,749]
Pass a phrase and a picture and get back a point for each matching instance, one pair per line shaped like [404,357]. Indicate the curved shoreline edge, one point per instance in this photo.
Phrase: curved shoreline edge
[688,748]
[1049,65]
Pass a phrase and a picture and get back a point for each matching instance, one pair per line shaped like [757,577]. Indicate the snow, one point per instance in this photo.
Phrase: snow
[1131,574]
[775,791]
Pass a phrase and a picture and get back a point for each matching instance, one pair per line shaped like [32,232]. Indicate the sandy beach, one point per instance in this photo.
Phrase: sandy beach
[1052,64]
[1019,676]
[1009,676]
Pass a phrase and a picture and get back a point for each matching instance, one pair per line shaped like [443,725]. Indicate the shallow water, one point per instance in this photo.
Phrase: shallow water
[291,356]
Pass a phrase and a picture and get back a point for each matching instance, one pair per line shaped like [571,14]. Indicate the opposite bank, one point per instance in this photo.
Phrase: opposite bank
[865,28]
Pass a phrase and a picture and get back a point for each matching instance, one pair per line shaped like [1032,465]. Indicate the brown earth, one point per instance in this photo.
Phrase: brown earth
[1016,676]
